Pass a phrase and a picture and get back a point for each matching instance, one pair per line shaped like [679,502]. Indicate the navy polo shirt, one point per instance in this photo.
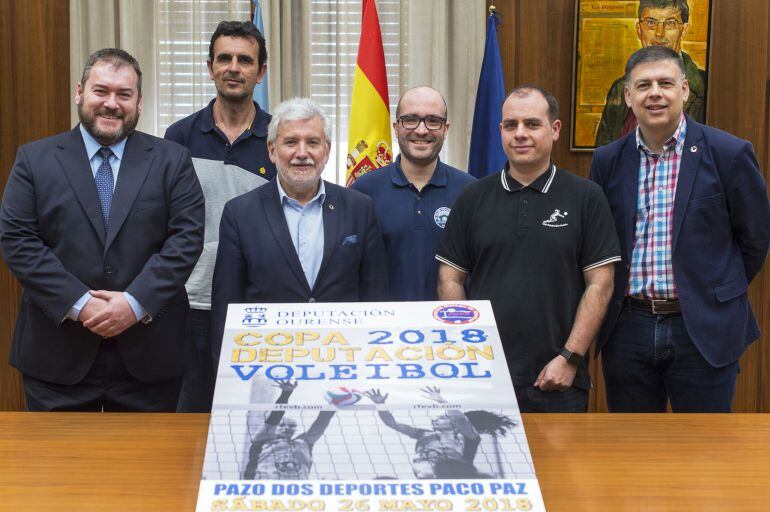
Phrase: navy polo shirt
[412,223]
[225,171]
[200,134]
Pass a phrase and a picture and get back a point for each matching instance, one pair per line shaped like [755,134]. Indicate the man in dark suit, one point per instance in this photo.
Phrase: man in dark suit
[298,238]
[102,226]
[691,211]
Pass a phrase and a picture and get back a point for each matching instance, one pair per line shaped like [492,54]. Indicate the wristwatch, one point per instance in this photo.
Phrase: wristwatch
[572,357]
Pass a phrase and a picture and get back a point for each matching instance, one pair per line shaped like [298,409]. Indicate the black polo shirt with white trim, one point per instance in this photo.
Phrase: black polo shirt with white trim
[525,249]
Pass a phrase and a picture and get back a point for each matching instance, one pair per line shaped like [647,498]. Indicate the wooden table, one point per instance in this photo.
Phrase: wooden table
[145,462]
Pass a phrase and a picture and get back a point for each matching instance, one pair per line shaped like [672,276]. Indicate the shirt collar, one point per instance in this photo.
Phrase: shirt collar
[320,195]
[258,126]
[676,141]
[92,147]
[541,184]
[438,179]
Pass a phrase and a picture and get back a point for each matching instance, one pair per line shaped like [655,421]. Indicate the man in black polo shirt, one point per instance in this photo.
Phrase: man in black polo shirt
[228,142]
[539,243]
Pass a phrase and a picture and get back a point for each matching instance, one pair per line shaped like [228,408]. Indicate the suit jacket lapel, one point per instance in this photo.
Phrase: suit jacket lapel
[137,159]
[688,169]
[271,202]
[74,161]
[629,170]
[331,226]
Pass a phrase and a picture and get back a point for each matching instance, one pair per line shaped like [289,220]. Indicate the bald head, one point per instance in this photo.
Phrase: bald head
[421,93]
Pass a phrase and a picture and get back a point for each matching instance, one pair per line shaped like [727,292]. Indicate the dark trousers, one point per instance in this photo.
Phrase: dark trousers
[106,387]
[650,359]
[532,399]
[198,383]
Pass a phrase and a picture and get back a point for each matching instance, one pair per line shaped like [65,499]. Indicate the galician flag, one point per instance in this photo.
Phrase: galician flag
[261,95]
[369,142]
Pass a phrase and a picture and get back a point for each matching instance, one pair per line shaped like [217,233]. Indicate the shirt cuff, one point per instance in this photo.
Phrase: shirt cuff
[76,308]
[139,312]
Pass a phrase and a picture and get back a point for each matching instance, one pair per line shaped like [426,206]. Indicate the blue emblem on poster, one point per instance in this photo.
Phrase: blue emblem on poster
[254,317]
[455,314]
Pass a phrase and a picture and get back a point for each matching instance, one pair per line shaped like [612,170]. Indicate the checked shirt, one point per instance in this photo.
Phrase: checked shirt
[651,275]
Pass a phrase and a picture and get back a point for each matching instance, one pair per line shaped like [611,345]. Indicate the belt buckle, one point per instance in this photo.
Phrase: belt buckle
[654,309]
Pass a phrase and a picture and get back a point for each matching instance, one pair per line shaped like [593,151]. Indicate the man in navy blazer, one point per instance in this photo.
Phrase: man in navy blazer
[102,226]
[298,238]
[691,211]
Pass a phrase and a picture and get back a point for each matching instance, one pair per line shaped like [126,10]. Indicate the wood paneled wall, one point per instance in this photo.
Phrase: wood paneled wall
[34,102]
[536,43]
[537,46]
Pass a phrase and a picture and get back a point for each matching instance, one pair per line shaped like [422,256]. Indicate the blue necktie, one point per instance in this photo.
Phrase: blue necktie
[104,184]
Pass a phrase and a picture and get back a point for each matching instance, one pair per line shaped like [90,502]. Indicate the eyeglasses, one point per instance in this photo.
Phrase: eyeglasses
[411,122]
[653,24]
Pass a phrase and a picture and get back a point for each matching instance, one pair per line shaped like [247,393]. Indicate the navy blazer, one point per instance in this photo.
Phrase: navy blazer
[53,241]
[721,232]
[257,261]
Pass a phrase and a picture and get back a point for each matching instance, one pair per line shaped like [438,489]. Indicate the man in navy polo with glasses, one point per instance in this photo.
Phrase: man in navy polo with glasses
[414,195]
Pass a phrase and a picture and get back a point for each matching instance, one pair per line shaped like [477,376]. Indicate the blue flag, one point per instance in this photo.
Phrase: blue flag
[260,91]
[486,153]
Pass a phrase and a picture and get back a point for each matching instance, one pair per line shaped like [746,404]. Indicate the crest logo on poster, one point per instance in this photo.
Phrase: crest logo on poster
[456,314]
[254,317]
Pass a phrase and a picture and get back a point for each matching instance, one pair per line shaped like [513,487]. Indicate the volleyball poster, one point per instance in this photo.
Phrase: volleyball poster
[365,407]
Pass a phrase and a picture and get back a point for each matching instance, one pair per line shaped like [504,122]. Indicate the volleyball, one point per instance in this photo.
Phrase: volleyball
[343,396]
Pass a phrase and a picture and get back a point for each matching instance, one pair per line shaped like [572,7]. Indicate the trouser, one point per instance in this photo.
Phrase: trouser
[106,387]
[650,359]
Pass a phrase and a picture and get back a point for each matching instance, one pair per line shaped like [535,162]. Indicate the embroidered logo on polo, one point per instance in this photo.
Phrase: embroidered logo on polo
[441,215]
[556,220]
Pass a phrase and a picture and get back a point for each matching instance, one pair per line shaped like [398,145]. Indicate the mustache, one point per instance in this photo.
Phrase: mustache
[302,161]
[111,112]
[233,76]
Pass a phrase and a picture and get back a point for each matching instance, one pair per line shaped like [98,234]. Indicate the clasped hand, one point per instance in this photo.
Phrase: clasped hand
[107,313]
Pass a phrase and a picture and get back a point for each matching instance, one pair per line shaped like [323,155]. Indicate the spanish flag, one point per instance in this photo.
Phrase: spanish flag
[369,143]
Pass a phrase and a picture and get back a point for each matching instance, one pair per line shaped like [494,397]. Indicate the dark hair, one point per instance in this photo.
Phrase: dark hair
[524,90]
[487,422]
[239,29]
[117,58]
[653,54]
[679,5]
[398,105]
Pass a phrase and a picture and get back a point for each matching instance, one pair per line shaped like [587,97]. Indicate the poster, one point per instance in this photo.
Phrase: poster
[365,407]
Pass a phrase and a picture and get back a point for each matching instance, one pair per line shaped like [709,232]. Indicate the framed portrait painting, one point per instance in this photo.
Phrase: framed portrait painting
[607,32]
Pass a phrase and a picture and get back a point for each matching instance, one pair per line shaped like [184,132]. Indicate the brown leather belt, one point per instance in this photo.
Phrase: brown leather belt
[655,306]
